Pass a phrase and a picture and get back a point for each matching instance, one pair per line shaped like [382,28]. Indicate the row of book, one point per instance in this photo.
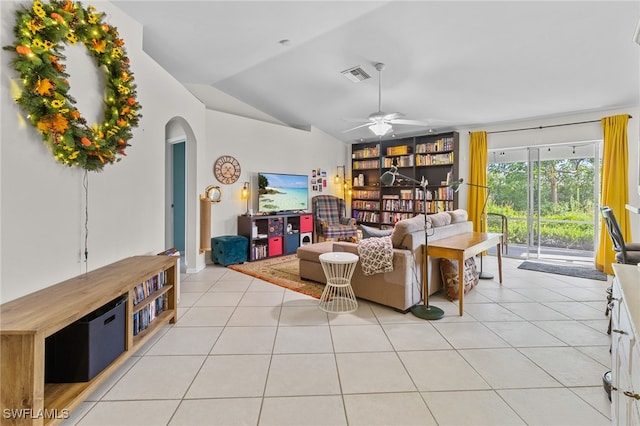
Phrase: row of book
[440,145]
[365,195]
[365,164]
[403,161]
[147,314]
[435,206]
[398,205]
[365,205]
[443,193]
[394,217]
[365,216]
[143,290]
[373,151]
[434,159]
[259,251]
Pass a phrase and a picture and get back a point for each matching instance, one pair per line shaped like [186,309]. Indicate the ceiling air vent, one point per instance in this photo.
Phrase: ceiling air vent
[355,74]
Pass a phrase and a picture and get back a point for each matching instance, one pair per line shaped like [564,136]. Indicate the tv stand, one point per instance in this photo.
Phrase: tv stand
[275,235]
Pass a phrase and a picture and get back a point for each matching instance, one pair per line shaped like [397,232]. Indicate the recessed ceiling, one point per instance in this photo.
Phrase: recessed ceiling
[453,64]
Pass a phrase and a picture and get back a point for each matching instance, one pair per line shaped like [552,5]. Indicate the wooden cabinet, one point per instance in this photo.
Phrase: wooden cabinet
[434,156]
[26,322]
[625,348]
[275,235]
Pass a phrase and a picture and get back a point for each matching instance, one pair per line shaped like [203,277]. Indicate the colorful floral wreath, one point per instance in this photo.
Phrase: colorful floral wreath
[41,33]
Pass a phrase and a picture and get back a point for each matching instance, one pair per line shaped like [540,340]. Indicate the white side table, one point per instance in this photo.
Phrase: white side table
[338,296]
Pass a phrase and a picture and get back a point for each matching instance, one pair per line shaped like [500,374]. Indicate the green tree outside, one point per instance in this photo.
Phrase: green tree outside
[566,201]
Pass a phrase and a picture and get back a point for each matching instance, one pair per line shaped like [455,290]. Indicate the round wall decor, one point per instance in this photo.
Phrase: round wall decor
[226,169]
[41,31]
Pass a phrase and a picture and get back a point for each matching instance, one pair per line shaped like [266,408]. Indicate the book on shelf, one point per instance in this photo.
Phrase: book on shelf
[371,151]
[365,216]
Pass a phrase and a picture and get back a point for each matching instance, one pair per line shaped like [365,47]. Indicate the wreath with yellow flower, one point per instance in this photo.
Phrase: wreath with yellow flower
[41,33]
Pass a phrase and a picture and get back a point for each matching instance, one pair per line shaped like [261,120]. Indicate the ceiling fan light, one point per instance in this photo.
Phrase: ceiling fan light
[380,129]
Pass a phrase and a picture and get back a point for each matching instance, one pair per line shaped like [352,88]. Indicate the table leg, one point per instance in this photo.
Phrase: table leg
[461,282]
[500,259]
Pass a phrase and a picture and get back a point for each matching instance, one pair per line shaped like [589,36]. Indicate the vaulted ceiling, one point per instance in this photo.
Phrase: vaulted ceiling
[451,64]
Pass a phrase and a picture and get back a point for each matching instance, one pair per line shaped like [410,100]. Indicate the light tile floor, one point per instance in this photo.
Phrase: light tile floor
[246,352]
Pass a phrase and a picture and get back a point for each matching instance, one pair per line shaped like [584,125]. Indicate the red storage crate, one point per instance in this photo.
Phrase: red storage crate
[306,223]
[275,246]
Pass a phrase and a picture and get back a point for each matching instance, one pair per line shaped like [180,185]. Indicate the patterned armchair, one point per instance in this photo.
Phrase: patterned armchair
[329,216]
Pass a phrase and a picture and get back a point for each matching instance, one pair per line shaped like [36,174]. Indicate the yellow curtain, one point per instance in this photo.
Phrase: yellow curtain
[615,185]
[477,176]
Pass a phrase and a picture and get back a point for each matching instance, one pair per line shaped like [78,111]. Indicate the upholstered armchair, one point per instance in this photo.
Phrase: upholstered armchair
[330,219]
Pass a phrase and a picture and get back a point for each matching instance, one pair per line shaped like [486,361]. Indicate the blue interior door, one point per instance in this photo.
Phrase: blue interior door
[179,196]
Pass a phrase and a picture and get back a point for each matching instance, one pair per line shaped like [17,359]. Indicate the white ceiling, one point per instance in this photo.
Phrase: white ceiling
[453,64]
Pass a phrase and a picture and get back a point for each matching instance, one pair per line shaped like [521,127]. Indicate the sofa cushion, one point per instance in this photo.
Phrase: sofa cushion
[376,255]
[369,231]
[449,271]
[459,215]
[404,227]
[439,219]
[312,252]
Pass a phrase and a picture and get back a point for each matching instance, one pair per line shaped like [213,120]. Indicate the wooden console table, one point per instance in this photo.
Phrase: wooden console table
[25,323]
[464,246]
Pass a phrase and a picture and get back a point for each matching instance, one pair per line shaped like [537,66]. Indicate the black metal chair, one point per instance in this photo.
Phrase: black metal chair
[628,253]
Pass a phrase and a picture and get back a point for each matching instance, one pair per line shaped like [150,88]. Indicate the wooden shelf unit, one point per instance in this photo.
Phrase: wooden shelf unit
[26,322]
[434,156]
[275,235]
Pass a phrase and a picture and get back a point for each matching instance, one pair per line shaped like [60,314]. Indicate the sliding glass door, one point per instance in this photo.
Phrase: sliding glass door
[548,198]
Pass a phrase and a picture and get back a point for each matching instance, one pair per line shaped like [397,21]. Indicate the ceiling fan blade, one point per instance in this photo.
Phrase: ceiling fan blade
[408,122]
[357,127]
[392,116]
[356,120]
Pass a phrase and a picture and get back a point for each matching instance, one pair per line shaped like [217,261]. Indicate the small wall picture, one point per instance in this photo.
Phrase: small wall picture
[318,179]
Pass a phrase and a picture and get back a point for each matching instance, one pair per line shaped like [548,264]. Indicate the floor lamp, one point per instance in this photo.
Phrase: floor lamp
[424,311]
[455,185]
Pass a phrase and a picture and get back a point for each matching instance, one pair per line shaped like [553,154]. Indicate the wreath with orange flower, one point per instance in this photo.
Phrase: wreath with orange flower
[41,32]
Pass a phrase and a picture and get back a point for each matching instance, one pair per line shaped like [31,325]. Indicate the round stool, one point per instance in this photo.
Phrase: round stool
[338,296]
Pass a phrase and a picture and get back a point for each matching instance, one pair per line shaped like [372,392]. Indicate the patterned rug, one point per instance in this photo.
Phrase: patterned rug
[574,271]
[283,271]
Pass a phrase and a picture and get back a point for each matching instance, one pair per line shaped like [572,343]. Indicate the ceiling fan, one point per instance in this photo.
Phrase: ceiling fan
[381,123]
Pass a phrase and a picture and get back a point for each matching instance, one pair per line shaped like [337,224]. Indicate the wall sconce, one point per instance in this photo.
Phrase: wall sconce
[212,194]
[245,194]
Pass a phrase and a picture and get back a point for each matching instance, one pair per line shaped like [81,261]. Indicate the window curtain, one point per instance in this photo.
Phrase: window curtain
[614,191]
[477,176]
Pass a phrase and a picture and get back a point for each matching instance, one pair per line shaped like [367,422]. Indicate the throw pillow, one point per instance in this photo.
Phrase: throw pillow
[449,271]
[440,219]
[376,255]
[459,215]
[404,227]
[369,231]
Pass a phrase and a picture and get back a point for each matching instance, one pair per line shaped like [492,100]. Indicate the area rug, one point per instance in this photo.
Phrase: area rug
[573,271]
[283,271]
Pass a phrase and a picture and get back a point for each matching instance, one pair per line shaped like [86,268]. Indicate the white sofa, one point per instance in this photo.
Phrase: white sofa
[402,287]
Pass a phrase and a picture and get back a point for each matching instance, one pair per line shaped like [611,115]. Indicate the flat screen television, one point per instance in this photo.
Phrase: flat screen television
[279,192]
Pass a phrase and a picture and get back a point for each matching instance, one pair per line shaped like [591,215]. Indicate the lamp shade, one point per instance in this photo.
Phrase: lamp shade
[389,176]
[380,128]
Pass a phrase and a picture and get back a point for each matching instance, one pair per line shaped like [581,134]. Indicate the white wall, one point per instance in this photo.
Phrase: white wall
[261,147]
[564,134]
[42,208]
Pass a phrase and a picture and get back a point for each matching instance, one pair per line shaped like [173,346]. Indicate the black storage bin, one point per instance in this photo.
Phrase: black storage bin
[80,351]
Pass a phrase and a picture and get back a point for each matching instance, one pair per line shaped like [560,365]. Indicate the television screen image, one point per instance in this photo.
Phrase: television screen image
[279,192]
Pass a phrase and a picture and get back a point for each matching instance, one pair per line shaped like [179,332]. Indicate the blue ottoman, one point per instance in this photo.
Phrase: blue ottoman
[229,249]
